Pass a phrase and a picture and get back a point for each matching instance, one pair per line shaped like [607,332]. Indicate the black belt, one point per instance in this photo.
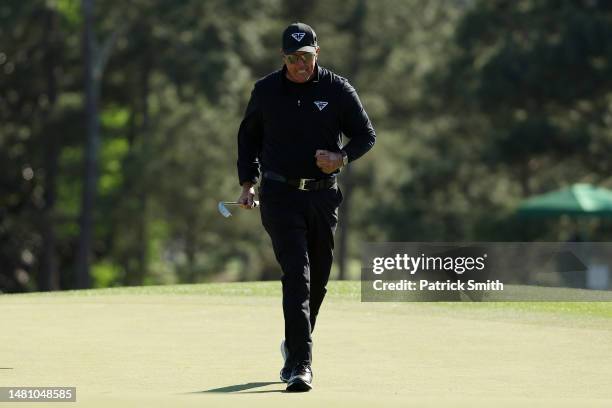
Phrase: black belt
[302,184]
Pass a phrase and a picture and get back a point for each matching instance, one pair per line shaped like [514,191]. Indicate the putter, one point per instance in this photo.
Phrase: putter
[225,212]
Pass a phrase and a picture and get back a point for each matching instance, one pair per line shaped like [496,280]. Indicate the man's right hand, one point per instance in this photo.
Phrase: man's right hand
[247,196]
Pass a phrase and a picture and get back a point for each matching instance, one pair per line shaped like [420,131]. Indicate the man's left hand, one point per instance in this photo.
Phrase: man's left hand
[328,161]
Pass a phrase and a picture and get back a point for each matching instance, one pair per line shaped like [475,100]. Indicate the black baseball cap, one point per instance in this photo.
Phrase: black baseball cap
[299,37]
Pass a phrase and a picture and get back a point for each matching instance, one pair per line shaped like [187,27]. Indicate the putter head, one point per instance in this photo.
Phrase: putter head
[223,210]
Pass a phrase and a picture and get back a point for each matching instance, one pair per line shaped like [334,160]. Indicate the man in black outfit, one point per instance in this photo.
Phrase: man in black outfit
[291,139]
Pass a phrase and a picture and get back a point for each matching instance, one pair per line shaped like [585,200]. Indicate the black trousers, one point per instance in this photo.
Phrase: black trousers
[301,225]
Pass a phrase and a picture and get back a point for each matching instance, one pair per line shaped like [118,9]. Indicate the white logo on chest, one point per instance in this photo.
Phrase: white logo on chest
[298,36]
[320,104]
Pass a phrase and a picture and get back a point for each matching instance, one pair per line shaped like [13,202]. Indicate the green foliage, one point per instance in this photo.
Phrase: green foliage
[69,9]
[105,274]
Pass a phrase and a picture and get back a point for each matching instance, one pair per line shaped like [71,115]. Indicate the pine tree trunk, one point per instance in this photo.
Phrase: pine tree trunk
[48,278]
[83,279]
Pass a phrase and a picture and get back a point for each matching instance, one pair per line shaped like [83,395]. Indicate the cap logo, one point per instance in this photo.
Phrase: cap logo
[298,36]
[320,104]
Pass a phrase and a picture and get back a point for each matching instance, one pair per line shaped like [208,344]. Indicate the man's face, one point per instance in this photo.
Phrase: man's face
[300,65]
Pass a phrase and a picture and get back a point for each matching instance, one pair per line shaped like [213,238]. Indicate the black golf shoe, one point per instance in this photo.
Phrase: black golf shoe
[285,373]
[301,379]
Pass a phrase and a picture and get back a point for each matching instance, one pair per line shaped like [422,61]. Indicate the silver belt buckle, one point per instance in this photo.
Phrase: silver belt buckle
[303,184]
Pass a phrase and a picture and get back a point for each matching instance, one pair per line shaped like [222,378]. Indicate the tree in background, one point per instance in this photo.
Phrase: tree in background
[476,105]
[521,100]
[33,52]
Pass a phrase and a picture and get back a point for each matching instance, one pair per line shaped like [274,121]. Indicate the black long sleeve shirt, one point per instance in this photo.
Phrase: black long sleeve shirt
[286,123]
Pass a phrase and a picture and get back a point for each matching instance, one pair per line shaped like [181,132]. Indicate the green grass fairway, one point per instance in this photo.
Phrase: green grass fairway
[217,345]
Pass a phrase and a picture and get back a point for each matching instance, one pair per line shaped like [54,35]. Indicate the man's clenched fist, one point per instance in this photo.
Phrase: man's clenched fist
[328,161]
